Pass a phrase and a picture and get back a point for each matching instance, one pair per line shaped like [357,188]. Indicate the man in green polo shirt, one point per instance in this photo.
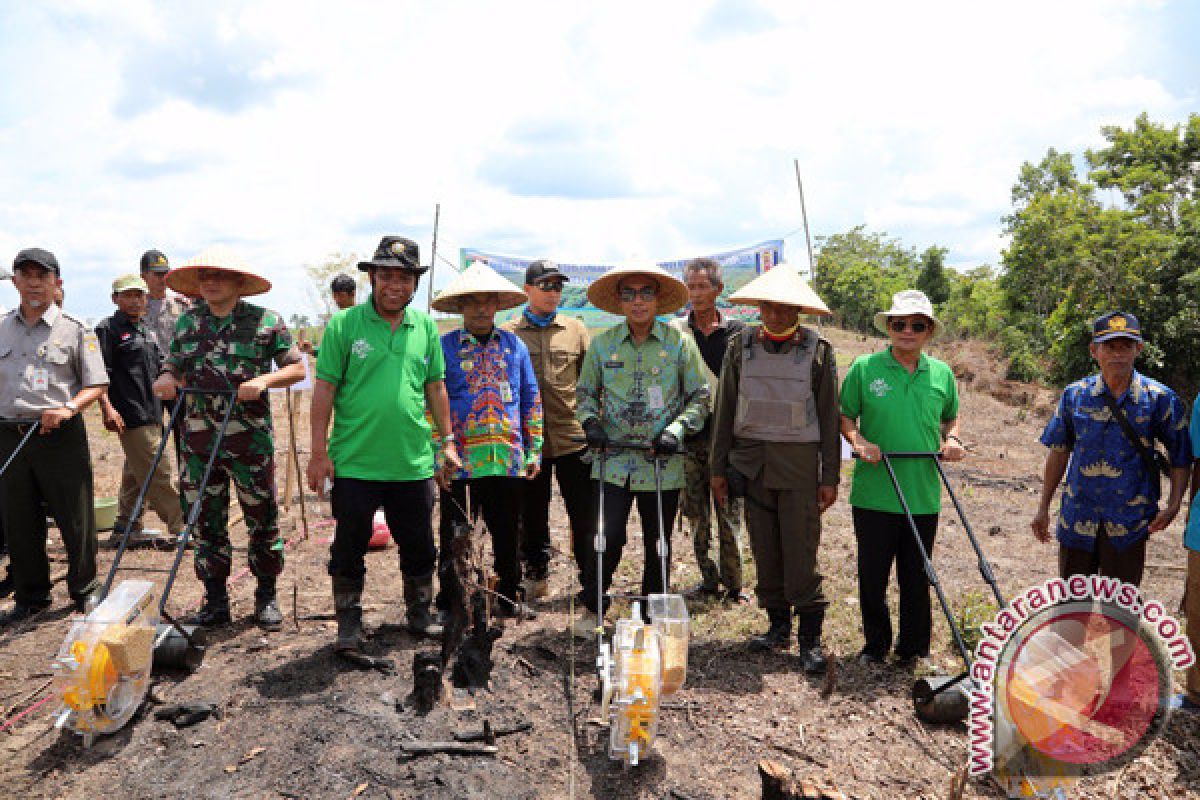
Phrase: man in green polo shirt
[380,366]
[898,400]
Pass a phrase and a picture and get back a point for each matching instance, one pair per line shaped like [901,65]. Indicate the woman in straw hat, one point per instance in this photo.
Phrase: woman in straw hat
[496,413]
[642,381]
[222,342]
[898,399]
[775,440]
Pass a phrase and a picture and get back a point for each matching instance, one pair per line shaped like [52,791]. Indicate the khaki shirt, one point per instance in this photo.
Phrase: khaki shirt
[59,344]
[161,316]
[557,352]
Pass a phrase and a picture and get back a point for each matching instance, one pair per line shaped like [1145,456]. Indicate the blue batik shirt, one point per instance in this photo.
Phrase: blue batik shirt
[1106,479]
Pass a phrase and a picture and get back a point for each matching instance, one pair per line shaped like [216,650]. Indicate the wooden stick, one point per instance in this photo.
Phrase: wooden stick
[453,748]
[296,463]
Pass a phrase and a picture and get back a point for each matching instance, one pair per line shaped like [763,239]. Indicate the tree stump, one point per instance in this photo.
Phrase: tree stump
[427,682]
[468,638]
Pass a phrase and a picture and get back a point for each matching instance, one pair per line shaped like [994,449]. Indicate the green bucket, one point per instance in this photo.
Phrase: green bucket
[106,513]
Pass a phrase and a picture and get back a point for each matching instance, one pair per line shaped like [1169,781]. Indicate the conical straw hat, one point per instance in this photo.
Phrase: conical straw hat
[185,278]
[478,278]
[672,292]
[781,284]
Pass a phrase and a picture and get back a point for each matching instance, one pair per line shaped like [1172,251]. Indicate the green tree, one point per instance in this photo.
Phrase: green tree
[931,278]
[858,272]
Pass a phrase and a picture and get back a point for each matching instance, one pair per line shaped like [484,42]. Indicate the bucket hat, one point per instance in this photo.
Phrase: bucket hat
[672,292]
[904,304]
[478,278]
[781,284]
[396,252]
[185,278]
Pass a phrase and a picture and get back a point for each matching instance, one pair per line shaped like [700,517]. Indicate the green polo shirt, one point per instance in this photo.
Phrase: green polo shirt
[900,412]
[379,427]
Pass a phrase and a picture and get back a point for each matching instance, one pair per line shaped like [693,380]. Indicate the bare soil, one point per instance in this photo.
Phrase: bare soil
[298,722]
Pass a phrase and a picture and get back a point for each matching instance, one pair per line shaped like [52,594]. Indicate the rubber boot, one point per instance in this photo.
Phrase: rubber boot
[778,632]
[266,608]
[808,641]
[215,610]
[347,604]
[418,596]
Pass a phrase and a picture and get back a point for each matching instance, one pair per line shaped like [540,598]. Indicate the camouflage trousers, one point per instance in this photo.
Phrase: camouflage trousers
[247,457]
[699,508]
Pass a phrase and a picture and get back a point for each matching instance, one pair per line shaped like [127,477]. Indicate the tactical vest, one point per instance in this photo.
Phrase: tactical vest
[775,400]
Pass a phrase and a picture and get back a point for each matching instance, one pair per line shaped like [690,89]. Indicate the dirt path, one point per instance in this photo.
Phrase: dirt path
[328,730]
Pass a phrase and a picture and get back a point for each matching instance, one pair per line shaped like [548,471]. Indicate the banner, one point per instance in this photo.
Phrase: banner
[738,268]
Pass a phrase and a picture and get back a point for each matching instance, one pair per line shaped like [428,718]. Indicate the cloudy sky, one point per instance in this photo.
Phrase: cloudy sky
[581,131]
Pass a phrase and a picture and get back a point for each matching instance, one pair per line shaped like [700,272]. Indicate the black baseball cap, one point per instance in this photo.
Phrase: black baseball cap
[36,255]
[1116,325]
[154,261]
[541,269]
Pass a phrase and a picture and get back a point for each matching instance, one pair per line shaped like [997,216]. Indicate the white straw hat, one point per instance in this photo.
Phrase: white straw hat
[185,278]
[904,304]
[781,284]
[478,278]
[672,292]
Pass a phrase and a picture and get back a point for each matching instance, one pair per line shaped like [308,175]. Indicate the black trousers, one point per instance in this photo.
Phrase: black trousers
[498,500]
[884,538]
[408,507]
[1126,565]
[579,496]
[618,500]
[54,469]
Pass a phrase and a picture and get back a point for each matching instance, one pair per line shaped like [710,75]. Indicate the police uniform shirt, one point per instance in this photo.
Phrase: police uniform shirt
[45,365]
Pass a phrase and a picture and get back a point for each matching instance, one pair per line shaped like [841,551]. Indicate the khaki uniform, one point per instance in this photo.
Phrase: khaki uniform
[43,366]
[780,431]
[161,316]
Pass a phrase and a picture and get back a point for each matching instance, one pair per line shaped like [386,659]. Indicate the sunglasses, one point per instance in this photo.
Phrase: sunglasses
[645,293]
[916,325]
[549,286]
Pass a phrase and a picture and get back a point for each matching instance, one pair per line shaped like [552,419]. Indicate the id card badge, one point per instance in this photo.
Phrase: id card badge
[41,379]
[506,393]
[654,397]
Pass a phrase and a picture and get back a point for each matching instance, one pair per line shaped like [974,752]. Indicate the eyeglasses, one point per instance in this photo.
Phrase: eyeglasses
[645,293]
[915,325]
[549,286]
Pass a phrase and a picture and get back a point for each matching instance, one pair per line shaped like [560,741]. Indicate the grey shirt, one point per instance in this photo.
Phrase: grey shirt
[62,346]
[161,316]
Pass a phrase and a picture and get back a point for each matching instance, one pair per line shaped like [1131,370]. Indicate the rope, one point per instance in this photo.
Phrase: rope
[12,722]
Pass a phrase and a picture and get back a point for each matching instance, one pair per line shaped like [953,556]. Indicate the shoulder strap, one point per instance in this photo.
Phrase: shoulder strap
[1130,434]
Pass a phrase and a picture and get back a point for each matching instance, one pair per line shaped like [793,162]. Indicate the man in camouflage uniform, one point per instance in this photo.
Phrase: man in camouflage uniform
[223,342]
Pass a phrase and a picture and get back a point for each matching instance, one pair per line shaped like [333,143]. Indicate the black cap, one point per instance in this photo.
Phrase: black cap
[541,269]
[343,283]
[154,261]
[395,252]
[36,255]
[1116,325]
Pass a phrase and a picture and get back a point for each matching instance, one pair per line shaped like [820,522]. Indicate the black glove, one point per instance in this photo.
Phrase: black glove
[597,439]
[665,444]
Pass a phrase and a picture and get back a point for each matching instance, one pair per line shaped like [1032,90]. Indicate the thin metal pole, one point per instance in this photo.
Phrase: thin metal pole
[812,264]
[437,218]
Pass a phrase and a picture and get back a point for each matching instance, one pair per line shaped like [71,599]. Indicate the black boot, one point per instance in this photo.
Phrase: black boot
[215,610]
[266,608]
[778,633]
[347,603]
[808,641]
[418,596]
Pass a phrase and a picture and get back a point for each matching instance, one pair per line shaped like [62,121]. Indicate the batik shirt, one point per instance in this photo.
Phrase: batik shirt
[495,406]
[637,391]
[1107,483]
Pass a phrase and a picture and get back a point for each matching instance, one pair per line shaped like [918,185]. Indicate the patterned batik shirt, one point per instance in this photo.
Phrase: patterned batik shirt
[1106,479]
[637,391]
[495,406]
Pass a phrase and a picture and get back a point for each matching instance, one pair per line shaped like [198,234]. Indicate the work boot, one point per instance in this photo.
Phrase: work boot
[418,596]
[215,610]
[808,641]
[347,603]
[778,631]
[20,612]
[266,608]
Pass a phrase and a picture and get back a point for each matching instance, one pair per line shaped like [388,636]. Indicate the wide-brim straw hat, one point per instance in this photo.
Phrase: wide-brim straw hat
[905,304]
[672,292]
[185,278]
[478,278]
[781,284]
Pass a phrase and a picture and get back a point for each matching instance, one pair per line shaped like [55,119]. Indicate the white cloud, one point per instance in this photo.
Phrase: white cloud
[582,132]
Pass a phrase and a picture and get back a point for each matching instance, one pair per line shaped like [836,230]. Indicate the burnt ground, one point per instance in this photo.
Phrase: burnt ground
[297,722]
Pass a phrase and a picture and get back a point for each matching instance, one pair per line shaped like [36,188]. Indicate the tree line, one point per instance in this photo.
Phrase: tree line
[1118,227]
